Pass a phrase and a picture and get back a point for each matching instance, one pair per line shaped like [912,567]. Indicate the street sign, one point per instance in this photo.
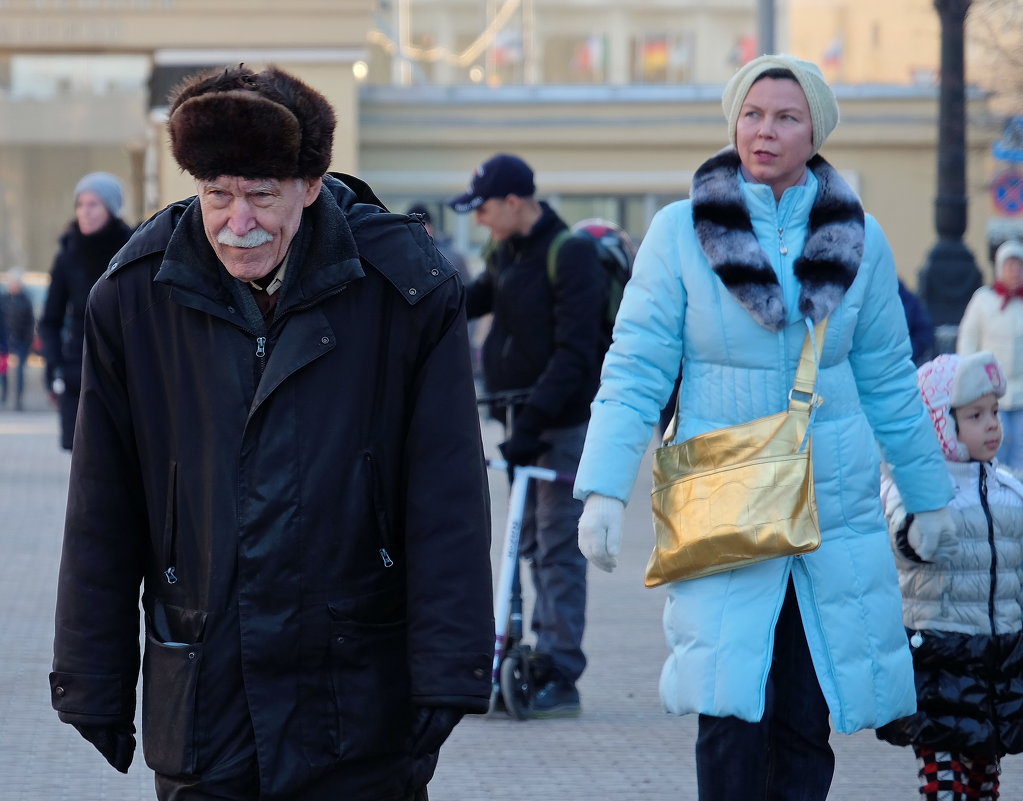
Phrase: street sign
[1007,192]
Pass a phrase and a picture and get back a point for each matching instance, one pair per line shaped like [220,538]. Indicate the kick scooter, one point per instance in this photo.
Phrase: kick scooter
[510,677]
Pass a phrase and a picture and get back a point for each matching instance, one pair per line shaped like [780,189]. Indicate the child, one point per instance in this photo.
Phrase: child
[961,608]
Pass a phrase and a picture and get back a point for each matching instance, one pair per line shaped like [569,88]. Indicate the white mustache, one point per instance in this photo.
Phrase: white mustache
[253,239]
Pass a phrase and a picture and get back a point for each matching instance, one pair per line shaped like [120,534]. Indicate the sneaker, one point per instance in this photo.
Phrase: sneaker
[558,698]
[541,668]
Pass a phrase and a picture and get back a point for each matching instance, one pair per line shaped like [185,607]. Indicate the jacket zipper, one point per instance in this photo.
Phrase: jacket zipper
[379,511]
[171,527]
[991,544]
[261,340]
[261,353]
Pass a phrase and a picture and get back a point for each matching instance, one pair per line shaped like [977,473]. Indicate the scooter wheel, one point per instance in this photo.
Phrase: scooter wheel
[515,684]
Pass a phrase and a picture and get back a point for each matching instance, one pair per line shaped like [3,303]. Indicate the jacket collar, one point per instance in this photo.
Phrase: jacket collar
[331,258]
[831,254]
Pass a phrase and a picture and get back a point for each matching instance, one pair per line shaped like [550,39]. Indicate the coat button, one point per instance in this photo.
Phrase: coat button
[340,639]
[412,291]
[191,655]
[434,271]
[58,691]
[231,309]
[324,340]
[479,673]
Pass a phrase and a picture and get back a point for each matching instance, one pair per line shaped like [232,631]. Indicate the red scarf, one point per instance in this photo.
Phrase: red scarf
[1006,293]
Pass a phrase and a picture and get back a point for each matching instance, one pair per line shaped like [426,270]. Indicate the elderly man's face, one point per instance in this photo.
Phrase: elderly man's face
[250,222]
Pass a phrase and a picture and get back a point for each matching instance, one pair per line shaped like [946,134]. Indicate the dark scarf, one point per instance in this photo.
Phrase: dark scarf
[1007,294]
[825,269]
[93,252]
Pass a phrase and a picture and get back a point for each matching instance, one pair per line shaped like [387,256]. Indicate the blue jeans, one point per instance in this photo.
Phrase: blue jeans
[550,543]
[1011,451]
[20,351]
[784,757]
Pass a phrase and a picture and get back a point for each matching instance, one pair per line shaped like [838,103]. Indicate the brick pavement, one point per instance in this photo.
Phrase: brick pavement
[623,748]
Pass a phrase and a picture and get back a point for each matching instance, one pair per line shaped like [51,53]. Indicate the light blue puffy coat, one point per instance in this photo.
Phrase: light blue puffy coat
[720,629]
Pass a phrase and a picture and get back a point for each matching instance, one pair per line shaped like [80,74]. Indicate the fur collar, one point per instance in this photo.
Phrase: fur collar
[825,269]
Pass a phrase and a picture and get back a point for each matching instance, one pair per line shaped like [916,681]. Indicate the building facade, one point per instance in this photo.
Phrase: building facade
[614,104]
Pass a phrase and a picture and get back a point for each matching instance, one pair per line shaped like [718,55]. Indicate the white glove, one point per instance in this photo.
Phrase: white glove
[600,531]
[933,536]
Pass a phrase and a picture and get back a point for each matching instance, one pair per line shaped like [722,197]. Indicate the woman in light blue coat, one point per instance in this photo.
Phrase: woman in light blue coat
[725,281]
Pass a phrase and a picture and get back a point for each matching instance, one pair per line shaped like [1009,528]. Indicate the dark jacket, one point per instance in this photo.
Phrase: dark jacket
[921,329]
[21,321]
[79,263]
[308,514]
[547,336]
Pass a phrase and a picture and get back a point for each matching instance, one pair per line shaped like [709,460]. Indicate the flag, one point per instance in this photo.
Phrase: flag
[833,52]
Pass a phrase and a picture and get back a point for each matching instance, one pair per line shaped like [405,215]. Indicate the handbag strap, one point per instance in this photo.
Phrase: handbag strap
[802,397]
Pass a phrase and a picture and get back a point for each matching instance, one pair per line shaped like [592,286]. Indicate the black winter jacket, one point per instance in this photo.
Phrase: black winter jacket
[79,263]
[547,337]
[21,322]
[308,515]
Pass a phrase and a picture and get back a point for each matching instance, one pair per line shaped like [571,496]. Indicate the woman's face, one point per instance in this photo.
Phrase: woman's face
[1011,273]
[90,213]
[774,133]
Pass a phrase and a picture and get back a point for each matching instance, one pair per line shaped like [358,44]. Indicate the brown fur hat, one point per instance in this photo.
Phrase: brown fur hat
[252,125]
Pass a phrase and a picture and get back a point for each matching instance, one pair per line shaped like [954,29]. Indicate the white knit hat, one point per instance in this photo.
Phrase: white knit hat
[819,97]
[1010,249]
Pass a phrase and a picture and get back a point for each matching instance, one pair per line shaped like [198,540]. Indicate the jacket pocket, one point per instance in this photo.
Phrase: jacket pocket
[170,678]
[369,679]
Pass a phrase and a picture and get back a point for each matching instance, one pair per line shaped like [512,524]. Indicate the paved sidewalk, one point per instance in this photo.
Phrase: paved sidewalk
[623,748]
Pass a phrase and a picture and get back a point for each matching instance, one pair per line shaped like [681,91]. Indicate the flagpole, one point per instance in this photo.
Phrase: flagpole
[765,26]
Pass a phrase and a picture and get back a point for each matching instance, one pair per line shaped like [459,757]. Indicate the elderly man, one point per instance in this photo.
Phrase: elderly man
[278,440]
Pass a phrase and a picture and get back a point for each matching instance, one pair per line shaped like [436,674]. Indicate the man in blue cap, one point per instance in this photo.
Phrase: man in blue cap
[547,337]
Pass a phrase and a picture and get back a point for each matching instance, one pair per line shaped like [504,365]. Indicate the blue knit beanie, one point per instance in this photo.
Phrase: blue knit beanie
[104,186]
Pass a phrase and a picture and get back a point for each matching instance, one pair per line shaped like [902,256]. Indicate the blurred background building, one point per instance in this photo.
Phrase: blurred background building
[614,104]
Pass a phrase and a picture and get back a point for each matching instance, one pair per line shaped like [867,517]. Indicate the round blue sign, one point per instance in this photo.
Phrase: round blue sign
[1007,193]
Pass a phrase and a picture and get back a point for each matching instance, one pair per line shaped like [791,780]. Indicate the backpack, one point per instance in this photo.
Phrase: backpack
[615,250]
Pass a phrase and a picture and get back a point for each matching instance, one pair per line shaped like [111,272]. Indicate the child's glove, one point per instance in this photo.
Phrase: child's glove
[933,536]
[600,531]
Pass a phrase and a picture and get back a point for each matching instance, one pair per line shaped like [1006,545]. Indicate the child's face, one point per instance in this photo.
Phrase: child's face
[980,429]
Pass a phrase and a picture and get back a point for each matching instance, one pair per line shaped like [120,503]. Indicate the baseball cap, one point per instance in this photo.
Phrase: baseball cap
[499,176]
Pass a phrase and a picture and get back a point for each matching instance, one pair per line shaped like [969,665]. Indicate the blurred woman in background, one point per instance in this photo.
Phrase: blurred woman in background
[86,247]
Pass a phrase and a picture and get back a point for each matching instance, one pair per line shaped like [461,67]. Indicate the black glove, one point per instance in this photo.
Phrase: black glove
[116,742]
[524,445]
[431,726]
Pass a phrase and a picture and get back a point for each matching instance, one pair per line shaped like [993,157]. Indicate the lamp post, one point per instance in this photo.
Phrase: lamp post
[950,276]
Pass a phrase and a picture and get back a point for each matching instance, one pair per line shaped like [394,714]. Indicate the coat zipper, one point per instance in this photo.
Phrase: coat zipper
[171,527]
[379,511]
[261,340]
[261,353]
[991,544]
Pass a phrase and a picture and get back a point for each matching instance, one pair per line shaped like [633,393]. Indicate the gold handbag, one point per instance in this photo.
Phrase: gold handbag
[742,494]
